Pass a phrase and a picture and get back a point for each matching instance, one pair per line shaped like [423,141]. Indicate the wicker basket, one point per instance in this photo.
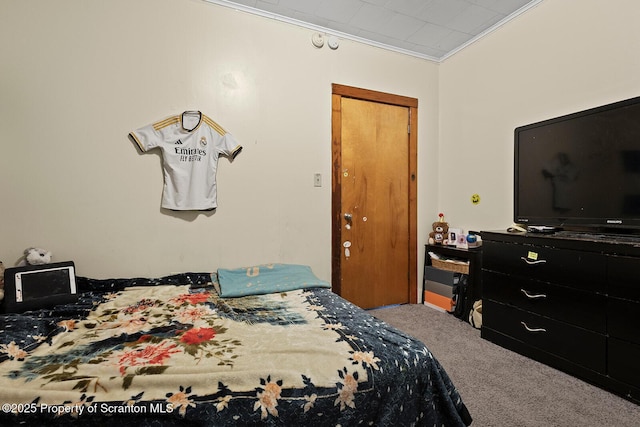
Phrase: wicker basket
[455,266]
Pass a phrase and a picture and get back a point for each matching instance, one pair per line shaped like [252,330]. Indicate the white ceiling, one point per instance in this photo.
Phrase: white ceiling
[430,29]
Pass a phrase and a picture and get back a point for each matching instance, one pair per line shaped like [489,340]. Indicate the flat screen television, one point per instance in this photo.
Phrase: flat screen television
[581,170]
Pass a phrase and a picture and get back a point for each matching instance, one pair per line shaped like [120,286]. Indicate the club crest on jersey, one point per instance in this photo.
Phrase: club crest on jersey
[203,141]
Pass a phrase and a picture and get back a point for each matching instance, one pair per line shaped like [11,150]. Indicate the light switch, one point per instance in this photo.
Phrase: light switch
[317,180]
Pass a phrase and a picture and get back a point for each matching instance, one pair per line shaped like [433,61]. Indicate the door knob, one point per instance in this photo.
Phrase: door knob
[349,218]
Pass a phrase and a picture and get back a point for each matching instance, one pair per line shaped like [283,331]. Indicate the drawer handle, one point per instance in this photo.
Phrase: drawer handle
[531,296]
[533,329]
[536,262]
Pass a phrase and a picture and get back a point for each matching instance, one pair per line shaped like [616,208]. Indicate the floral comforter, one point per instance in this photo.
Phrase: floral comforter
[171,351]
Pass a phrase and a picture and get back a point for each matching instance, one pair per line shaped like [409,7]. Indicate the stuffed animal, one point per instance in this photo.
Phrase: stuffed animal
[35,256]
[440,231]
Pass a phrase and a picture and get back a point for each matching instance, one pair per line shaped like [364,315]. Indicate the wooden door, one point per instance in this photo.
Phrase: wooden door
[374,187]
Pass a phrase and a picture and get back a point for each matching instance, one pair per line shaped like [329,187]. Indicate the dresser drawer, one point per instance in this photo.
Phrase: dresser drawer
[580,308]
[624,277]
[583,270]
[623,362]
[572,343]
[622,318]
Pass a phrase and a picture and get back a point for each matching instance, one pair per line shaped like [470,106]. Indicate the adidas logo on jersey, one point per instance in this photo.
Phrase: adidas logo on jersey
[178,142]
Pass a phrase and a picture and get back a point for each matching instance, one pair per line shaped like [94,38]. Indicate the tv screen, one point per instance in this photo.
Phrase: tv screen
[582,169]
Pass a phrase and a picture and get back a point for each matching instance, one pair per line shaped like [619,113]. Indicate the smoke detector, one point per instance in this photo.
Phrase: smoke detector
[317,40]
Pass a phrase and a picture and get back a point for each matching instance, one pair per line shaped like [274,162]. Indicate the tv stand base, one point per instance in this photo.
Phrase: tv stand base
[543,291]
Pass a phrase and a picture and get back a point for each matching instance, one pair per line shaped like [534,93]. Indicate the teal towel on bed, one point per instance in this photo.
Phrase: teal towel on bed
[266,279]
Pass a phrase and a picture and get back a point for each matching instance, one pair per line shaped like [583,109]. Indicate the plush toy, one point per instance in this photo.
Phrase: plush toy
[440,231]
[1,281]
[35,256]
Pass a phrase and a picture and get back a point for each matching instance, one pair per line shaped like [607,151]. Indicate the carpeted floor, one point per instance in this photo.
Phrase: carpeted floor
[502,388]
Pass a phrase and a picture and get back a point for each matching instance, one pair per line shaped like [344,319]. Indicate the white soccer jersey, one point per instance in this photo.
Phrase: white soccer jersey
[191,143]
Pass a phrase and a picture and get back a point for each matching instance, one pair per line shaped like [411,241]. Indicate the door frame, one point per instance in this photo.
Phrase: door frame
[337,93]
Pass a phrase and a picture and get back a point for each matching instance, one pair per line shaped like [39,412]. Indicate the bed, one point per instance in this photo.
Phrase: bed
[221,349]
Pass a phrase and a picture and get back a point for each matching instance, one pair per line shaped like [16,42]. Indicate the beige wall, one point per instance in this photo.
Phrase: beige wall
[558,58]
[78,75]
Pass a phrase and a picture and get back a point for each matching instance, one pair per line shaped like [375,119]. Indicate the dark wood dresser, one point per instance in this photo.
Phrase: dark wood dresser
[569,300]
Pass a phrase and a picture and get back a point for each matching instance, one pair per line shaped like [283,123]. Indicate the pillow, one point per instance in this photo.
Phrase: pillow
[266,279]
[32,287]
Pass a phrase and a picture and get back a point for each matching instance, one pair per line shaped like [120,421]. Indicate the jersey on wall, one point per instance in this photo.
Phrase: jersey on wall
[191,144]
